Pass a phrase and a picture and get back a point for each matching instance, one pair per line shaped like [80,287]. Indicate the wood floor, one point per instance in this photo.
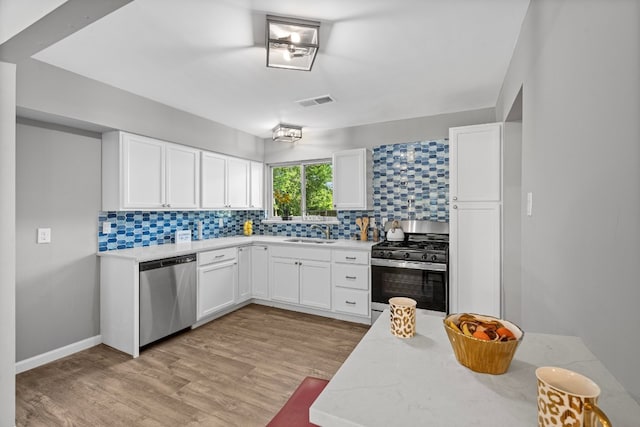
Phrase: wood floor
[234,371]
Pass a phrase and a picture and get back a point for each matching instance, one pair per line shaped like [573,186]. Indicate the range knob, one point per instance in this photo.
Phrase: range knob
[389,254]
[434,258]
[407,255]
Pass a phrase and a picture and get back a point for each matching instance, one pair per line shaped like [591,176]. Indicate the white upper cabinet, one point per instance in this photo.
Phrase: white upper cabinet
[257,187]
[475,156]
[214,181]
[145,173]
[238,173]
[353,179]
[182,172]
[225,182]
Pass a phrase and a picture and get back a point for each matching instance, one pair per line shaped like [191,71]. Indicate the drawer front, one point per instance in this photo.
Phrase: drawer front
[351,276]
[298,252]
[351,257]
[351,301]
[219,255]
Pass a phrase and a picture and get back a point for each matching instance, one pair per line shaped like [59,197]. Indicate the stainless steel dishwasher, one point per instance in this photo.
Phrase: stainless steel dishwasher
[167,297]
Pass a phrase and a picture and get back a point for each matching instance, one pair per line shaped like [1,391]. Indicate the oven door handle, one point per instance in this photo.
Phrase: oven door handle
[430,266]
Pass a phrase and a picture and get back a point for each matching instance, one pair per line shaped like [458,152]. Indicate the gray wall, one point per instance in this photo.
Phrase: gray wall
[320,144]
[57,284]
[7,243]
[579,62]
[51,94]
[512,211]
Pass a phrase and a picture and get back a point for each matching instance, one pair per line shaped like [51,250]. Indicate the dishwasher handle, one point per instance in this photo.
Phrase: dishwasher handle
[167,262]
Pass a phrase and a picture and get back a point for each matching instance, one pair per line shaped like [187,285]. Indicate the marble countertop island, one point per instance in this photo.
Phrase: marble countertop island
[390,381]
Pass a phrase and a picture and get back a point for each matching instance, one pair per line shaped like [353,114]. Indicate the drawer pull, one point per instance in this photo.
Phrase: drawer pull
[350,277]
[219,256]
[350,258]
[350,302]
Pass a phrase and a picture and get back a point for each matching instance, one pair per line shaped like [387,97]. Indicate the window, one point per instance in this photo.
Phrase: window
[302,189]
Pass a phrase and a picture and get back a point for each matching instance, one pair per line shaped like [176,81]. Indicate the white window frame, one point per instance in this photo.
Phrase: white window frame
[303,192]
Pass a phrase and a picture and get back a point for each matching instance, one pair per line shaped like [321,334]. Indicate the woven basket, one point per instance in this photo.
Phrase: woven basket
[487,357]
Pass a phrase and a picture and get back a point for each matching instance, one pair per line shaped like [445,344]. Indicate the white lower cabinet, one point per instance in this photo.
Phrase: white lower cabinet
[315,284]
[217,281]
[285,280]
[244,273]
[301,276]
[351,301]
[474,255]
[351,281]
[260,272]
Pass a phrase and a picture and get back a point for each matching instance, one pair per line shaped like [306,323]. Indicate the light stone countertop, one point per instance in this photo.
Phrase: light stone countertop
[390,381]
[149,253]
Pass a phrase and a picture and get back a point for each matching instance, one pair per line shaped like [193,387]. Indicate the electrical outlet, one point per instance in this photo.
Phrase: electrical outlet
[44,235]
[106,227]
[221,222]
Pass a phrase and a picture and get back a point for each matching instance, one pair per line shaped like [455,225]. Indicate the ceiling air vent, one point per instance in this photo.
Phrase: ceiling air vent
[324,99]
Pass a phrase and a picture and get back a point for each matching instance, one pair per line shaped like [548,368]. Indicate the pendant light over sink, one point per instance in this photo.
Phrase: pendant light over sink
[291,43]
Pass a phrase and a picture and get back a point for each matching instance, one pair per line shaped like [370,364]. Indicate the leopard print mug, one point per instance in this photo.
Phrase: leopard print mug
[566,398]
[403,316]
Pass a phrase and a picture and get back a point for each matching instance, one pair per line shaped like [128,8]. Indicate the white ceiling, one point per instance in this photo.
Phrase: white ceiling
[380,60]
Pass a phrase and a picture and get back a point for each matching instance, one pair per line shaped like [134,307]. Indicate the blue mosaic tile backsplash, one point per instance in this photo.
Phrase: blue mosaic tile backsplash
[411,181]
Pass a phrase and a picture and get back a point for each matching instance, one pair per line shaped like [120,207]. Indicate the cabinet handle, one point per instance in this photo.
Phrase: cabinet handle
[350,277]
[455,198]
[219,256]
[265,248]
[350,258]
[455,206]
[350,302]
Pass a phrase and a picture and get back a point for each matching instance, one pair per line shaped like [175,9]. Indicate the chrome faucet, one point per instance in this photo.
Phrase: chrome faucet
[326,230]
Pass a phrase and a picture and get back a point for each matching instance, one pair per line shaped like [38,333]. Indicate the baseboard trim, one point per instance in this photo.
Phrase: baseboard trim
[58,353]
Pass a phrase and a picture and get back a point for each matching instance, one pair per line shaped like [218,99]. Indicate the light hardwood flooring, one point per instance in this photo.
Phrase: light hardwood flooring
[234,371]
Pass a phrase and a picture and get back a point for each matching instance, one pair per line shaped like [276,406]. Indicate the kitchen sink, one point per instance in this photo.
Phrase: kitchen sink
[303,240]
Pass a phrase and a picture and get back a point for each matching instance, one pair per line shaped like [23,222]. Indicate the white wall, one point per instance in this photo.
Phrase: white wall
[57,284]
[320,145]
[579,62]
[7,243]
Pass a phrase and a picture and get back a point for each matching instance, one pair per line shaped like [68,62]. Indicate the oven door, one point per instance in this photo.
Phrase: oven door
[425,282]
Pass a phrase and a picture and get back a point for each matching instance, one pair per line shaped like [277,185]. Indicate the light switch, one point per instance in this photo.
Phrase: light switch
[529,203]
[44,235]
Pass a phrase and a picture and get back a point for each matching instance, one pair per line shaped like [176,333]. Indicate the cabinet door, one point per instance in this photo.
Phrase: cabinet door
[244,273]
[182,177]
[217,285]
[257,179]
[315,284]
[213,181]
[474,258]
[351,183]
[284,279]
[143,172]
[260,272]
[238,172]
[475,159]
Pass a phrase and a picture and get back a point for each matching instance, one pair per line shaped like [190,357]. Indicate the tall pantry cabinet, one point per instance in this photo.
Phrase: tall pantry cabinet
[475,224]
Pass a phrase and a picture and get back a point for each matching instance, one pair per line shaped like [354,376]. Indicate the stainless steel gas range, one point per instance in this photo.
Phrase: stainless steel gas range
[416,267]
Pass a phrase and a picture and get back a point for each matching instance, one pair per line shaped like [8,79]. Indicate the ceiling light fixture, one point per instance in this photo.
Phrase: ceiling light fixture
[292,43]
[287,133]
